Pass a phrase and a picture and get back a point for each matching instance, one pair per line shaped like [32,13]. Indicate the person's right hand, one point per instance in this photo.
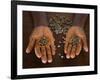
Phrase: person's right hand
[45,52]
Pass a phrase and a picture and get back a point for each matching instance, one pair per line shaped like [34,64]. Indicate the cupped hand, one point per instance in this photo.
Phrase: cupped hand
[42,41]
[74,42]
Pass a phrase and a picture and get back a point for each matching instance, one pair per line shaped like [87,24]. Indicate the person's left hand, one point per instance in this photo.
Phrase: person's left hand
[72,49]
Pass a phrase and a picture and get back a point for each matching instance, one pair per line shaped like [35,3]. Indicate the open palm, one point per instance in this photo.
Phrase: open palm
[71,50]
[45,52]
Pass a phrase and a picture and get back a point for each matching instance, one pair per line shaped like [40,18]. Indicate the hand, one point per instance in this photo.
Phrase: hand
[45,51]
[74,50]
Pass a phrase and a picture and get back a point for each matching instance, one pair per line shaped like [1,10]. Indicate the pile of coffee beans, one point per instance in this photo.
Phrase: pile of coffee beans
[43,41]
[60,24]
[74,40]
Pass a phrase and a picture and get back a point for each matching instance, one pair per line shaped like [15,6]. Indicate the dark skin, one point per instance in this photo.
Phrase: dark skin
[73,51]
[46,52]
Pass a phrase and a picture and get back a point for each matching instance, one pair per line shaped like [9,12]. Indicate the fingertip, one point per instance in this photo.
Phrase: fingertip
[85,45]
[44,61]
[27,51]
[86,49]
[67,56]
[65,51]
[39,56]
[49,61]
[77,54]
[72,56]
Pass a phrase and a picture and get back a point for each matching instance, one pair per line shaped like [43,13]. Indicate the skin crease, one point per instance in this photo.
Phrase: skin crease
[73,51]
[46,52]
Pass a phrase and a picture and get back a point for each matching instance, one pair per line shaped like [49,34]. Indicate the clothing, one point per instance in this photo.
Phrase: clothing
[41,18]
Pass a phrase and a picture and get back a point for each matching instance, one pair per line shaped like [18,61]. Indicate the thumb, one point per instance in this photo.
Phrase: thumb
[84,41]
[30,45]
[85,44]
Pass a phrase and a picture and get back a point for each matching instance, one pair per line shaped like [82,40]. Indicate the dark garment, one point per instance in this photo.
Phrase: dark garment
[41,18]
[36,19]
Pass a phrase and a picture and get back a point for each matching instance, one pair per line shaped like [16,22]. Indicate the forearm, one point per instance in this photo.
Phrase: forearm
[80,20]
[39,19]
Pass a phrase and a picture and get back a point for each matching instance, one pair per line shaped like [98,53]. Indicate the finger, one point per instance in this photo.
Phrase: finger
[37,51]
[72,55]
[83,37]
[53,48]
[43,57]
[49,54]
[68,37]
[30,45]
[85,44]
[68,51]
[65,47]
[79,47]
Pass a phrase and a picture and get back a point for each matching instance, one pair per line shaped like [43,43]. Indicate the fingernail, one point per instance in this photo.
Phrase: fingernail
[39,56]
[86,49]
[77,54]
[49,61]
[43,61]
[72,56]
[27,51]
[65,51]
[67,57]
